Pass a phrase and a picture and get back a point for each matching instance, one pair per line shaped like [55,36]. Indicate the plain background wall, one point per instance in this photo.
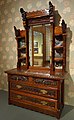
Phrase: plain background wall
[10,16]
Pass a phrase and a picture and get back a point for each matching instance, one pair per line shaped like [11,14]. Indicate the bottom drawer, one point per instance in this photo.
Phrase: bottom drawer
[33,99]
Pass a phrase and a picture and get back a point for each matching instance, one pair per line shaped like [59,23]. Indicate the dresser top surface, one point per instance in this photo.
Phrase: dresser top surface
[36,73]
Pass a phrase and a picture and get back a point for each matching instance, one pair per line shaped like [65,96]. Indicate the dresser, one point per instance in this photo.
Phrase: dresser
[37,82]
[36,90]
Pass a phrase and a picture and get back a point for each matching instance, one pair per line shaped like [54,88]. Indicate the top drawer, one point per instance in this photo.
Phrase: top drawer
[35,81]
[18,77]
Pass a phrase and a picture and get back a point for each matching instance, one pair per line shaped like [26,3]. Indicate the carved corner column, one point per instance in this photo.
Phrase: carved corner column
[52,22]
[25,24]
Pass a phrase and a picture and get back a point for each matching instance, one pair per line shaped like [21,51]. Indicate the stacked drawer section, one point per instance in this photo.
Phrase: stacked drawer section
[36,91]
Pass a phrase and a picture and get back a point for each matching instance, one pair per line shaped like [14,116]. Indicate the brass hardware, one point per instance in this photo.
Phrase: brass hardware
[43,91]
[18,86]
[19,96]
[44,103]
[16,78]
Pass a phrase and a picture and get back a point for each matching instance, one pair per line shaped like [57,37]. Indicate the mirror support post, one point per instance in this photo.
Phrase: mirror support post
[25,23]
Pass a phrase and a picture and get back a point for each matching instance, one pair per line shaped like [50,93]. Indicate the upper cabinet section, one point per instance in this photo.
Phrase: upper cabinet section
[45,39]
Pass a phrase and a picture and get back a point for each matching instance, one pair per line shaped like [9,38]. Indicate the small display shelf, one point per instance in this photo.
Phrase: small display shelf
[21,47]
[59,56]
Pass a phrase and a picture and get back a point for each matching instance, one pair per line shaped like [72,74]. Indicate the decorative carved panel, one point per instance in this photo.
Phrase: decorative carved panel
[15,77]
[50,104]
[40,91]
[46,82]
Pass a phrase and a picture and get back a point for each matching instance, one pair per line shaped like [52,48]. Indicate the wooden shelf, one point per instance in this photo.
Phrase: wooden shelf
[57,47]
[19,37]
[58,34]
[58,59]
[21,47]
[61,34]
[22,57]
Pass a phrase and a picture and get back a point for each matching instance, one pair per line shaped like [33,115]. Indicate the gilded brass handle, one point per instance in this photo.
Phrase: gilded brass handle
[43,91]
[18,86]
[19,96]
[44,103]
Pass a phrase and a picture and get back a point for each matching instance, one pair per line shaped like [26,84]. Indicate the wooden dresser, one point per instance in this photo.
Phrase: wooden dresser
[36,90]
[37,83]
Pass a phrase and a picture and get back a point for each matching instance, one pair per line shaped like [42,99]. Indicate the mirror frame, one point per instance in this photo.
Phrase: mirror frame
[38,17]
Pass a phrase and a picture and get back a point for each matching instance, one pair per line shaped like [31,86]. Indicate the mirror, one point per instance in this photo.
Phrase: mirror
[38,48]
[40,39]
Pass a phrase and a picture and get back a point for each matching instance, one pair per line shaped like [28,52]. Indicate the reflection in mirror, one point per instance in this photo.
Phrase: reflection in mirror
[40,52]
[38,48]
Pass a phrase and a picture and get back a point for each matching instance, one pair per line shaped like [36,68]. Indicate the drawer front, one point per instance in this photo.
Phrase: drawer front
[35,81]
[33,99]
[34,90]
[44,82]
[18,78]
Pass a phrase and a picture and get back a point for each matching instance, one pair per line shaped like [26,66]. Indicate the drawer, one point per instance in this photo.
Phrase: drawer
[44,82]
[38,90]
[18,78]
[33,99]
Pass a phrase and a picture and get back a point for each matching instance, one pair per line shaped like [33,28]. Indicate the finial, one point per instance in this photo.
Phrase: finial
[17,31]
[22,10]
[23,14]
[50,8]
[63,26]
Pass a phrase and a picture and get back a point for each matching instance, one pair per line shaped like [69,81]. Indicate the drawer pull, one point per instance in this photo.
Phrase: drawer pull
[43,91]
[18,86]
[19,96]
[44,103]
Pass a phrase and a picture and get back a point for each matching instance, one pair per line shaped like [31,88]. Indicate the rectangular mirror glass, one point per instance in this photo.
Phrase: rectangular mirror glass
[40,41]
[38,48]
